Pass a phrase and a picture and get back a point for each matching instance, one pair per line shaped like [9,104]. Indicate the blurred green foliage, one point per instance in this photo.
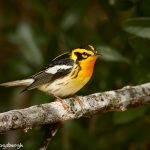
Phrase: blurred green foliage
[33,32]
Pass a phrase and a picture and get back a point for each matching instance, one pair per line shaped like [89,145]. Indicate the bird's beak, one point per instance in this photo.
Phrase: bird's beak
[98,54]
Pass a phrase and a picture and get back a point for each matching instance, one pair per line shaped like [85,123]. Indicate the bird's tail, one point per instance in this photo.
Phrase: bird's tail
[25,82]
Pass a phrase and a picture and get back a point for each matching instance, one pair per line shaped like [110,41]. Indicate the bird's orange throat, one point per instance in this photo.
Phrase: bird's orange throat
[88,66]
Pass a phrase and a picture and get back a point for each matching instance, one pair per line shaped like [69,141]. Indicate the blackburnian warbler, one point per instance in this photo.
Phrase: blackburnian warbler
[65,75]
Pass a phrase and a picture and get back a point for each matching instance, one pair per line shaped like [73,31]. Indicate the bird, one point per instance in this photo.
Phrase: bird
[65,75]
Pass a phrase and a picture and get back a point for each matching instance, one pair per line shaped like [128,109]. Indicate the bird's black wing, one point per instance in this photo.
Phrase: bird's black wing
[58,68]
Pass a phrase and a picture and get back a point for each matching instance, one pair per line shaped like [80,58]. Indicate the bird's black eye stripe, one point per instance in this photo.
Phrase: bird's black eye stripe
[81,56]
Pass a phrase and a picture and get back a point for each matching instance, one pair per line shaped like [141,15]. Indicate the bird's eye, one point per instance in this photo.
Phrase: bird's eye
[85,55]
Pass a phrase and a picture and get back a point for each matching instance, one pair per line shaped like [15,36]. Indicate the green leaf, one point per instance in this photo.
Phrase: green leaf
[110,54]
[69,20]
[138,26]
[24,38]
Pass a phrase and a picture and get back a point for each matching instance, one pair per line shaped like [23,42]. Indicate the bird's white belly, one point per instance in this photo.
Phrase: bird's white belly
[64,87]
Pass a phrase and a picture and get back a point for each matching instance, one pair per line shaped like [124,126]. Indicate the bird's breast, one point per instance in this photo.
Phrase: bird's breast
[87,67]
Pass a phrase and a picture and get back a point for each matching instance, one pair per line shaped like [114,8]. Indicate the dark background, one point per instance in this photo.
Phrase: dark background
[33,32]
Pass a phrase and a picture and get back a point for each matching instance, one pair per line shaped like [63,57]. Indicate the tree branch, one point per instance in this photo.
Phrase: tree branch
[83,106]
[51,133]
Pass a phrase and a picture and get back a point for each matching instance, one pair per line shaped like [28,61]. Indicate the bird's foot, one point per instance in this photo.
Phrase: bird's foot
[64,104]
[76,98]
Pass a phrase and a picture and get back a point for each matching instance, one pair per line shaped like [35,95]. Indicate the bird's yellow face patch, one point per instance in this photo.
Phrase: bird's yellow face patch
[80,54]
[86,59]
